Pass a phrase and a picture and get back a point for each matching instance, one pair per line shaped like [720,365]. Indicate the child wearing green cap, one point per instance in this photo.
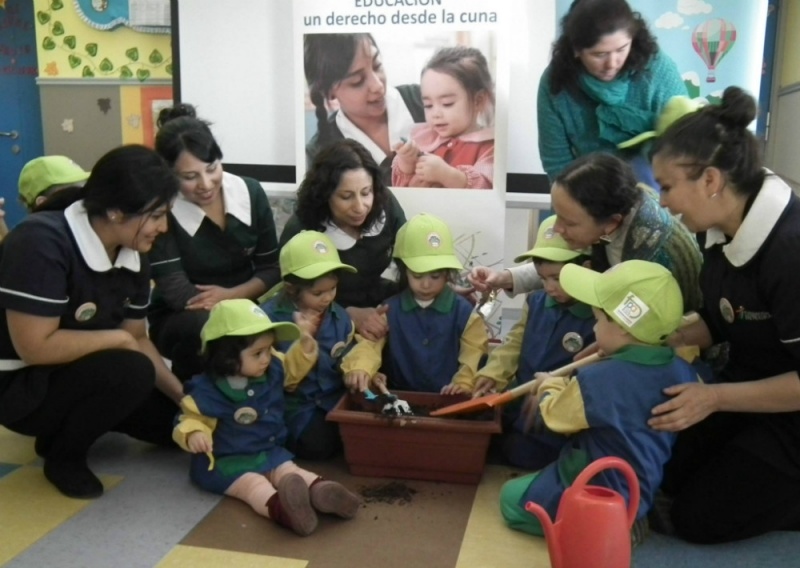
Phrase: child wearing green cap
[436,341]
[310,266]
[232,419]
[552,329]
[604,408]
[40,178]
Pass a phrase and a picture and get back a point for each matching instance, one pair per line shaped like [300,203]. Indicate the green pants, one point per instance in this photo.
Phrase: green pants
[515,514]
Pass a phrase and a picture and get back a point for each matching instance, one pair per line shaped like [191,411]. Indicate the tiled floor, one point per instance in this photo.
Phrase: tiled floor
[151,516]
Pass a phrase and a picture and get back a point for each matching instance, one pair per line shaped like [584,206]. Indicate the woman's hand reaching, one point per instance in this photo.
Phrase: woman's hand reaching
[690,403]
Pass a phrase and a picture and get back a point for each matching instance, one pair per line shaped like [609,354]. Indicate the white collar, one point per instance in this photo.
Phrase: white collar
[90,245]
[235,200]
[343,241]
[759,222]
[400,123]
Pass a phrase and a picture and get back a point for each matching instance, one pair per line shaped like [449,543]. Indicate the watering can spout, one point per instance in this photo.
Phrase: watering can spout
[550,533]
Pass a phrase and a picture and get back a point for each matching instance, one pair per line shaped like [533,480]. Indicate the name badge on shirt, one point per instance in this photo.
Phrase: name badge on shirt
[245,415]
[86,311]
[572,342]
[726,310]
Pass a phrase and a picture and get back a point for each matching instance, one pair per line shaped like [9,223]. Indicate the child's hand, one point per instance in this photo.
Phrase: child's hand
[199,443]
[454,389]
[483,386]
[356,381]
[433,169]
[407,153]
[308,322]
[308,327]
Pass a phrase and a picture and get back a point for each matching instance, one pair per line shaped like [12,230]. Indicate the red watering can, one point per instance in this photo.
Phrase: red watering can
[592,526]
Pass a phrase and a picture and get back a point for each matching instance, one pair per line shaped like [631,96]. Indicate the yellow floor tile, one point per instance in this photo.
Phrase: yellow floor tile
[194,557]
[32,507]
[488,541]
[15,448]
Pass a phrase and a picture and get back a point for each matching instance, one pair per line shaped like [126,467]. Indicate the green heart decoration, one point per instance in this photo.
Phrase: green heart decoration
[91,49]
[87,72]
[155,57]
[133,54]
[74,61]
[48,43]
[142,74]
[106,65]
[168,68]
[43,17]
[58,28]
[70,41]
[125,72]
[56,5]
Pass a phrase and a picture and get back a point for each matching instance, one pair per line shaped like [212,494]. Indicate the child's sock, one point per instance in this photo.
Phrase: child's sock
[332,497]
[255,490]
[291,506]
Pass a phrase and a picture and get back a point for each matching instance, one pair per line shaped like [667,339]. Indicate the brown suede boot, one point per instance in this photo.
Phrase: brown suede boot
[332,497]
[291,507]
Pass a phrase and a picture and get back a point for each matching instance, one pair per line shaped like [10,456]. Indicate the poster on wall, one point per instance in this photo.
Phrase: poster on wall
[423,86]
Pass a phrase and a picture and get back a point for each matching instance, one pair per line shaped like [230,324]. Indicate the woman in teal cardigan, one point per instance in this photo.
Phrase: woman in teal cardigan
[606,83]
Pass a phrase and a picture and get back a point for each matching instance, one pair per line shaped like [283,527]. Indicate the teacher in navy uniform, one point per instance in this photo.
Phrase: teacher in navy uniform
[75,359]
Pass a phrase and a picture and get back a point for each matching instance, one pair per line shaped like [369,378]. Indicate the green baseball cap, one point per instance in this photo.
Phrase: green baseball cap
[550,245]
[424,244]
[643,297]
[243,317]
[677,107]
[309,255]
[40,174]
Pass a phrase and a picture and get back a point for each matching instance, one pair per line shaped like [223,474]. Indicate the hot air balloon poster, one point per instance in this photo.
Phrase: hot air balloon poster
[713,40]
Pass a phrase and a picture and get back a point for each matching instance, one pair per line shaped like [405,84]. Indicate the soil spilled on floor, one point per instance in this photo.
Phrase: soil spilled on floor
[391,493]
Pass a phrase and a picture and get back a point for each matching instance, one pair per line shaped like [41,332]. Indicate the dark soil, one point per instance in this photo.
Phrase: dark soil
[391,493]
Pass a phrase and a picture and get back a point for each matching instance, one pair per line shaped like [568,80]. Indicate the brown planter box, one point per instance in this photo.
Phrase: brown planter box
[414,447]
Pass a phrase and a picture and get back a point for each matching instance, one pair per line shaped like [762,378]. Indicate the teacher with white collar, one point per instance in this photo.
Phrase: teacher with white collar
[75,358]
[344,196]
[221,243]
[735,469]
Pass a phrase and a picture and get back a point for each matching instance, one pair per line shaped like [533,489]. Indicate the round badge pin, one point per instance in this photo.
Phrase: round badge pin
[338,349]
[726,309]
[434,240]
[572,342]
[245,415]
[86,311]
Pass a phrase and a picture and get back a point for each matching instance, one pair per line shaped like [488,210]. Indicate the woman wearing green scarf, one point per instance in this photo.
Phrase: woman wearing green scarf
[607,82]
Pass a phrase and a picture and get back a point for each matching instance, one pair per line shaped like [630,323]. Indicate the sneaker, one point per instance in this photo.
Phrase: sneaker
[295,509]
[73,478]
[332,497]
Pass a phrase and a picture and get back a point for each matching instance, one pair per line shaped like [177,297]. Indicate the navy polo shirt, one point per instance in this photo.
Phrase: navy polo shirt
[54,265]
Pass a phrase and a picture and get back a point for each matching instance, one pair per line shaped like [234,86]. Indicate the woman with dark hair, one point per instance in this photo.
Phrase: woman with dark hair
[75,359]
[735,470]
[221,243]
[606,83]
[343,195]
[598,204]
[345,72]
